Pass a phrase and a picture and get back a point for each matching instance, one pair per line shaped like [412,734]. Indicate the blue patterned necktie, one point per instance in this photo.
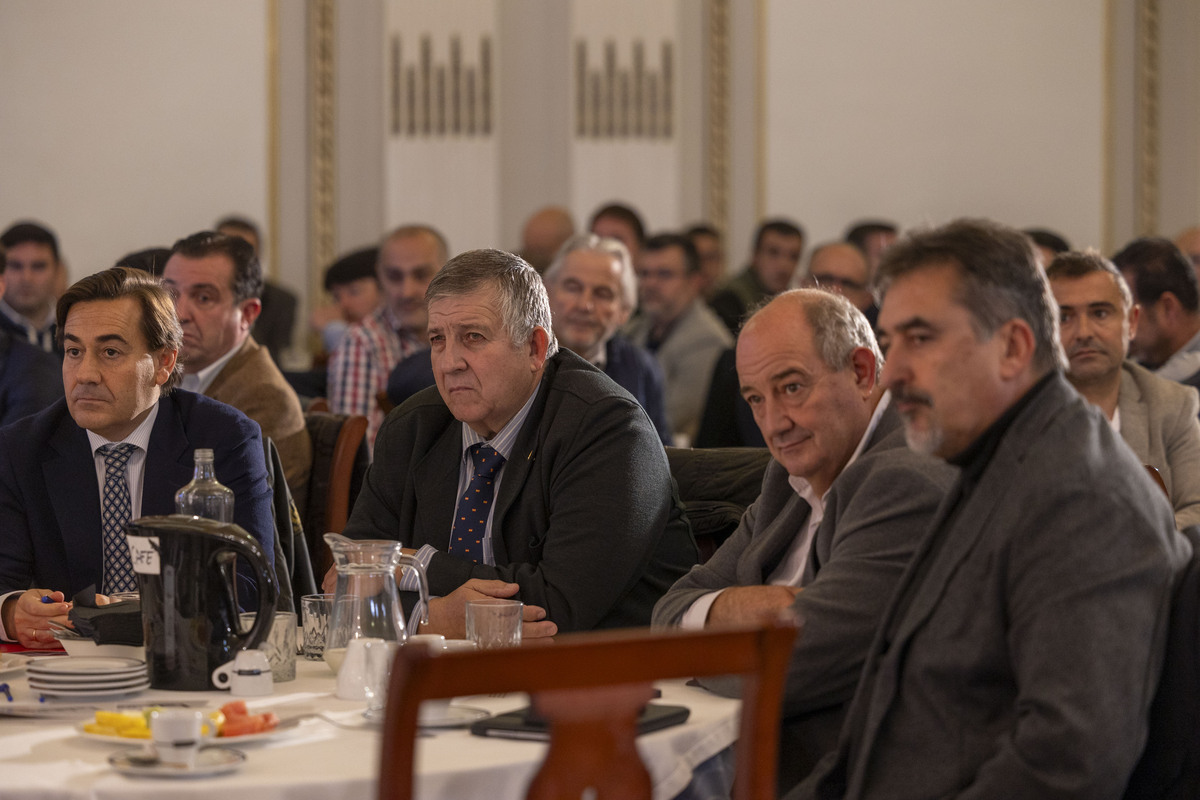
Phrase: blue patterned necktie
[470,518]
[115,511]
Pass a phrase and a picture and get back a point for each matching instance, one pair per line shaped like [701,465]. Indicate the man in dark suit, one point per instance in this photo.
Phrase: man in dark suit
[1021,649]
[584,528]
[116,448]
[30,378]
[593,290]
[844,503]
[33,269]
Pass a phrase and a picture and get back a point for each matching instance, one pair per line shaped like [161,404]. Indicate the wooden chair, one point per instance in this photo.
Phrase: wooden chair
[1157,477]
[339,461]
[318,404]
[590,687]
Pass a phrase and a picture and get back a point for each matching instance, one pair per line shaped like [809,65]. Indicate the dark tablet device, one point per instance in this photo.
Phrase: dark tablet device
[524,724]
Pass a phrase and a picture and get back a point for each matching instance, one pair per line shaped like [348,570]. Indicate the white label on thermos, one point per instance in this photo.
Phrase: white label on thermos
[144,552]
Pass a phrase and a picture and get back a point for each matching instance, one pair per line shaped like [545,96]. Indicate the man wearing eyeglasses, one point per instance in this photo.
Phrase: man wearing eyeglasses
[842,268]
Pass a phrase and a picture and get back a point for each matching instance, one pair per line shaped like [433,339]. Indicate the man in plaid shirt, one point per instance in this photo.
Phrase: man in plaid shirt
[408,258]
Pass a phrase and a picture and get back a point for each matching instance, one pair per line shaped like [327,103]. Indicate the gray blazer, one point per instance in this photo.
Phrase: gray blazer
[875,514]
[1020,654]
[687,357]
[1158,422]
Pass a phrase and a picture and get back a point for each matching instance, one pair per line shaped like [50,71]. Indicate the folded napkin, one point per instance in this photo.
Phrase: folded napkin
[115,623]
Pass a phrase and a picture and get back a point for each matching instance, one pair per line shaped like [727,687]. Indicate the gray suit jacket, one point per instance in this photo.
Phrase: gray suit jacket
[1158,422]
[687,357]
[1020,654]
[875,514]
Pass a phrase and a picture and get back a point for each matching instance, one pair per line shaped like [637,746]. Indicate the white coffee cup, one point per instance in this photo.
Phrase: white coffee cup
[175,736]
[248,675]
[434,641]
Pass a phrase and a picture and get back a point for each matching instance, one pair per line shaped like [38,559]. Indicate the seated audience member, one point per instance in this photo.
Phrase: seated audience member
[354,286]
[1188,242]
[544,232]
[872,237]
[592,293]
[583,528]
[843,505]
[710,249]
[31,272]
[118,447]
[151,260]
[1156,417]
[620,222]
[30,378]
[1021,649]
[275,323]
[1164,284]
[673,324]
[215,280]
[841,268]
[1048,244]
[408,258]
[777,247]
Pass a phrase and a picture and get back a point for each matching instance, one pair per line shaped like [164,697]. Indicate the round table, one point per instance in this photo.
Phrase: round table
[332,753]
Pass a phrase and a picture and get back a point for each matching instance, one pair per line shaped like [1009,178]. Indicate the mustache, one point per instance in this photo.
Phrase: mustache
[1086,344]
[903,394]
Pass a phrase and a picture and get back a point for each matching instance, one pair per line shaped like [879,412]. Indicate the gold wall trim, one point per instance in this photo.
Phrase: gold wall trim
[760,110]
[1108,180]
[273,140]
[1147,117]
[716,201]
[322,164]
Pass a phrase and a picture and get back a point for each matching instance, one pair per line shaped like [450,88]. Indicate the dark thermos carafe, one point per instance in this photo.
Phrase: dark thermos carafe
[187,572]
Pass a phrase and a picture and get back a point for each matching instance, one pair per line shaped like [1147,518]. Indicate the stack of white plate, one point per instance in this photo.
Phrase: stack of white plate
[95,676]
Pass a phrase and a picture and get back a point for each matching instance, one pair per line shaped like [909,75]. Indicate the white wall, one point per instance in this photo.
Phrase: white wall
[127,124]
[929,109]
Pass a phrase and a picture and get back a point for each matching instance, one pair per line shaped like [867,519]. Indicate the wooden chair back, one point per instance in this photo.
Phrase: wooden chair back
[1157,477]
[590,688]
[339,459]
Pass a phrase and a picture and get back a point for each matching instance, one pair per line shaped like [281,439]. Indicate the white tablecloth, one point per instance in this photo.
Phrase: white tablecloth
[47,758]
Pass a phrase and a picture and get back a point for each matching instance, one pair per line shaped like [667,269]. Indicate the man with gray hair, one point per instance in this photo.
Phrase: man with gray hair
[583,529]
[1021,649]
[593,290]
[842,508]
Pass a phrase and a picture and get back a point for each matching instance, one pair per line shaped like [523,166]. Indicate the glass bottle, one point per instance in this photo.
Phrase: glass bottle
[204,496]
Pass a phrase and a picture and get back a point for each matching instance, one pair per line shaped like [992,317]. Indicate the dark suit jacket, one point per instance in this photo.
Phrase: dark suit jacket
[50,499]
[586,520]
[30,378]
[876,512]
[1020,653]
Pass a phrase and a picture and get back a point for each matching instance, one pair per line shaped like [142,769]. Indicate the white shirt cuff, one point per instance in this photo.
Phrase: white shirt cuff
[4,637]
[696,616]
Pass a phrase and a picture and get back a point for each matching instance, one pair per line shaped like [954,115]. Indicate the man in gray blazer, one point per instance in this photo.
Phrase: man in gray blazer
[1020,652]
[842,508]
[1156,417]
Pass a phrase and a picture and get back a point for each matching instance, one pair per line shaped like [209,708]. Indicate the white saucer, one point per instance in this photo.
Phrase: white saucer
[11,662]
[211,760]
[249,738]
[72,681]
[112,692]
[96,686]
[455,717]
[94,666]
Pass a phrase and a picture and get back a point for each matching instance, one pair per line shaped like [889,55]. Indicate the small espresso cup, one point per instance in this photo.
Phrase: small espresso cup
[175,736]
[494,623]
[248,675]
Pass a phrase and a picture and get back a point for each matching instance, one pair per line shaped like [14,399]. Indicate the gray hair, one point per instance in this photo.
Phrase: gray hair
[1000,279]
[838,327]
[600,244]
[520,294]
[1074,264]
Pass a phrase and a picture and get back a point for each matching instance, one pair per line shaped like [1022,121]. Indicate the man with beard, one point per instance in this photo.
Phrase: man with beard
[592,293]
[1021,649]
[1156,417]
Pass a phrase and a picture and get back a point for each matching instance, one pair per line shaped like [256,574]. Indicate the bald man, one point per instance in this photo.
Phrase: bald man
[544,232]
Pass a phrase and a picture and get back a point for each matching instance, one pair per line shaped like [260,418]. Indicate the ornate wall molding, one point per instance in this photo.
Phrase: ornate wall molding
[627,102]
[322,165]
[716,201]
[436,100]
[273,134]
[1148,118]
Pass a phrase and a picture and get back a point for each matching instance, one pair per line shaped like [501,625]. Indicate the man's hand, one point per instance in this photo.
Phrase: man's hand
[448,615]
[26,617]
[329,582]
[750,605]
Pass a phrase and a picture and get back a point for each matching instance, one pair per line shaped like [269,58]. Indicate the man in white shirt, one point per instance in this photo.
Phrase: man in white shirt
[1156,417]
[31,271]
[843,505]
